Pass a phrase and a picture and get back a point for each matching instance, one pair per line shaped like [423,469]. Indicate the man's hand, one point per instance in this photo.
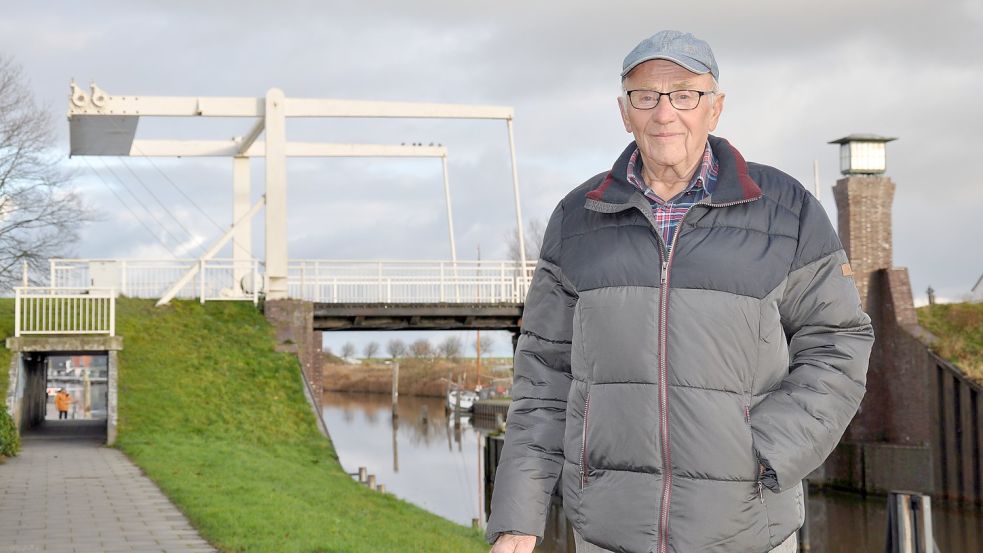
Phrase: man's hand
[512,543]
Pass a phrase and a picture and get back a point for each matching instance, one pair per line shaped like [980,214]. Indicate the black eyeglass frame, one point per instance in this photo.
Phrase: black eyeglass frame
[700,93]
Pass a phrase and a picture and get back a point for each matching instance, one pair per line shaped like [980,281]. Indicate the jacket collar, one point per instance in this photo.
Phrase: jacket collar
[733,182]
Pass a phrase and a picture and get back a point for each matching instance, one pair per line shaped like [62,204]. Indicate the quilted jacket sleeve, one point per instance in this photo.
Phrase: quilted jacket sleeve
[533,455]
[830,338]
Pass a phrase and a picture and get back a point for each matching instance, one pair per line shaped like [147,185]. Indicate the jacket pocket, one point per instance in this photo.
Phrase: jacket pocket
[584,467]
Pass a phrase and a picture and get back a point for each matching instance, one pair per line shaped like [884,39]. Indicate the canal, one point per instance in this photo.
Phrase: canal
[430,461]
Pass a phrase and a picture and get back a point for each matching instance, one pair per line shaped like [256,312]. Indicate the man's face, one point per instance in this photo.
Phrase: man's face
[667,136]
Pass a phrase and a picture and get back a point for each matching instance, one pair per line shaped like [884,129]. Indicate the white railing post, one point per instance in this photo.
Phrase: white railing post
[201,273]
[334,290]
[380,279]
[389,290]
[303,281]
[442,282]
[112,313]
[501,294]
[255,285]
[122,277]
[17,301]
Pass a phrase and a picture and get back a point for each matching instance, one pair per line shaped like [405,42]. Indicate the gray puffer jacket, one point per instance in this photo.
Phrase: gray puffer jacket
[651,387]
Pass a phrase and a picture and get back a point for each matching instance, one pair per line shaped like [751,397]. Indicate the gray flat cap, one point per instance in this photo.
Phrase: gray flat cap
[683,49]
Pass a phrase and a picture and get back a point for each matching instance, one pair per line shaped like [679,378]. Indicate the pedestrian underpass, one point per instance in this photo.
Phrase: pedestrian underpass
[84,367]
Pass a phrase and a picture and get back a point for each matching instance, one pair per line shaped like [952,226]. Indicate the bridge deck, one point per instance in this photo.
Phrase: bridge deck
[417,316]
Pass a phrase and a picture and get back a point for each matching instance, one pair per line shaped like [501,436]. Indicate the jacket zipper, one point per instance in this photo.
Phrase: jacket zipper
[583,446]
[663,393]
[667,257]
[759,486]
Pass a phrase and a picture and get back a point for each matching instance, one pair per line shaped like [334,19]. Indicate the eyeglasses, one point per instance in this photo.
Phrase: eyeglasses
[680,99]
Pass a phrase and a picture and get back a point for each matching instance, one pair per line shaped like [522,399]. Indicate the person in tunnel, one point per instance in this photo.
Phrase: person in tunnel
[63,400]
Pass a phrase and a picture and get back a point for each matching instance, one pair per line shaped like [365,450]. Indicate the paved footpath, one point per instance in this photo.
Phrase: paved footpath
[74,495]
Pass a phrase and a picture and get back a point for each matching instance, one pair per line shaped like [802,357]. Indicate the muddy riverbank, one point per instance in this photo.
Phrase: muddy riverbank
[417,377]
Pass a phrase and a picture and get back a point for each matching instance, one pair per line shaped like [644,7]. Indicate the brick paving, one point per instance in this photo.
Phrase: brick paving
[68,493]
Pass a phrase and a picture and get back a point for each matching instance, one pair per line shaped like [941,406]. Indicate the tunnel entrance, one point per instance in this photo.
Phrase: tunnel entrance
[64,387]
[65,395]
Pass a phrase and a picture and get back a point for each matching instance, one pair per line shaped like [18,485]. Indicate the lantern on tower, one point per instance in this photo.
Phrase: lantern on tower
[863,154]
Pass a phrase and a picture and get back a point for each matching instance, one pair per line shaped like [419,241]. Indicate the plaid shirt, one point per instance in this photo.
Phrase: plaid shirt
[668,214]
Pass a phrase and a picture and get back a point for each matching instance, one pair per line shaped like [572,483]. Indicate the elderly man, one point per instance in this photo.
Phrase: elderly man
[692,343]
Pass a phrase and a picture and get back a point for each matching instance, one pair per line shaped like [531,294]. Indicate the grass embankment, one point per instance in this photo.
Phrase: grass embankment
[218,419]
[959,328]
[417,377]
[6,329]
[9,442]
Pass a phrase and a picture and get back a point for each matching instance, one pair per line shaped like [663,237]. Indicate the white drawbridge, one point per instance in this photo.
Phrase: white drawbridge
[103,124]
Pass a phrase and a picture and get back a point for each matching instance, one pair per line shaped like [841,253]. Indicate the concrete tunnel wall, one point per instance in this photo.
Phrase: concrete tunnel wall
[34,402]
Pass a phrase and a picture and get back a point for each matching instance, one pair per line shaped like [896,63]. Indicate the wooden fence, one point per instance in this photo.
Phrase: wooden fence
[959,434]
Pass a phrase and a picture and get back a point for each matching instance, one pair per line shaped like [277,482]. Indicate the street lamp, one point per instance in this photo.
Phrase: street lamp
[863,154]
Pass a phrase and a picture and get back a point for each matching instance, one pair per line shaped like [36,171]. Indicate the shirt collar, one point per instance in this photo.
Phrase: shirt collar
[701,179]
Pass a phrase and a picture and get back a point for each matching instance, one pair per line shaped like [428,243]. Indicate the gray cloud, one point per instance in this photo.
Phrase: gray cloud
[796,76]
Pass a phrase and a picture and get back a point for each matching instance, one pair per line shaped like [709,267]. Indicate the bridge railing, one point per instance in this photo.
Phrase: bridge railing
[216,279]
[328,281]
[61,310]
[397,281]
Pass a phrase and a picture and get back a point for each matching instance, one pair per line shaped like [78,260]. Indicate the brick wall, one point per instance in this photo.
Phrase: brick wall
[294,324]
[888,444]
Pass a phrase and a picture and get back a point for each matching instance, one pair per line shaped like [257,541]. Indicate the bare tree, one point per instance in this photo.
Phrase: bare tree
[487,343]
[535,229]
[370,350]
[396,348]
[40,213]
[421,349]
[451,348]
[348,350]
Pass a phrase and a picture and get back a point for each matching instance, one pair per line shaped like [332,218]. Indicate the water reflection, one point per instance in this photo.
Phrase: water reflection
[845,522]
[428,460]
[424,458]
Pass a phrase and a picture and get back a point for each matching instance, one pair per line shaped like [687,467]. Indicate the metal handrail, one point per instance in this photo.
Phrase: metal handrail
[389,280]
[64,310]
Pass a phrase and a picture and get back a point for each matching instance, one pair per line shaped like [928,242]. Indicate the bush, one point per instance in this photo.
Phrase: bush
[9,441]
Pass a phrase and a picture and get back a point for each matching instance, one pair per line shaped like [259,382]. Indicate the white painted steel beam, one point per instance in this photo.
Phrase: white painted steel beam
[231,148]
[515,191]
[304,107]
[175,106]
[450,212]
[165,106]
[311,149]
[212,250]
[242,236]
[276,195]
[252,136]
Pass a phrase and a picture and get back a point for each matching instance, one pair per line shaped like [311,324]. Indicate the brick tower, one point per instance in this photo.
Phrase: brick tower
[863,202]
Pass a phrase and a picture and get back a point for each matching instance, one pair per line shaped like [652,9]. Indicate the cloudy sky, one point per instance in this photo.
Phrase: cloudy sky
[796,76]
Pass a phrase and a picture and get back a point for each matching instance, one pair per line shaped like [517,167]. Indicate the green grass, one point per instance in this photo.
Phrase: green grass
[218,419]
[6,329]
[959,328]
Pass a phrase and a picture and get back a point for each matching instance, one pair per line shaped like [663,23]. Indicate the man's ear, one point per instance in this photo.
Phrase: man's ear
[624,113]
[718,108]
